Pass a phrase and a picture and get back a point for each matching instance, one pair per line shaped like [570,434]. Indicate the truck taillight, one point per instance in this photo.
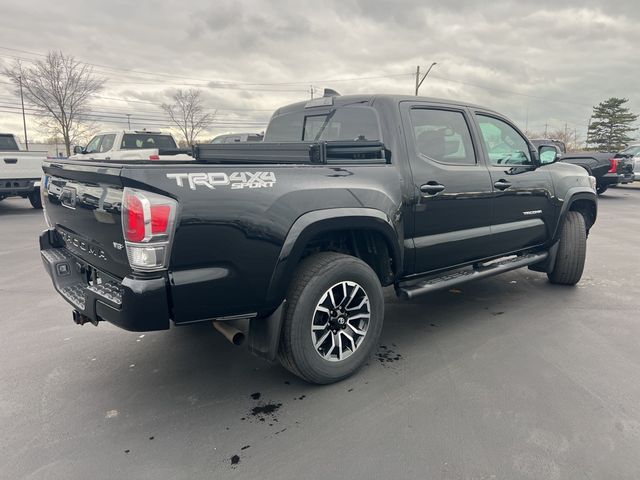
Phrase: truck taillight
[147,224]
[614,165]
[154,157]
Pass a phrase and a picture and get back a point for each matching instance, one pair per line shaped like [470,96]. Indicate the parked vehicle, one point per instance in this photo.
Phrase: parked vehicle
[632,154]
[238,138]
[20,170]
[297,235]
[131,145]
[607,170]
[562,148]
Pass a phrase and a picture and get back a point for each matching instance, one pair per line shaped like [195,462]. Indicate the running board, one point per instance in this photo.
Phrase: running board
[482,270]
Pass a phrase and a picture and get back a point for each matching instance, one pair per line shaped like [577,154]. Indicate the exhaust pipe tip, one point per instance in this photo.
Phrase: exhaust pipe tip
[232,334]
[237,338]
[80,319]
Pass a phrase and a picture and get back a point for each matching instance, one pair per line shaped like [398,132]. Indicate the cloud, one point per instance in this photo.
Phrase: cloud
[540,62]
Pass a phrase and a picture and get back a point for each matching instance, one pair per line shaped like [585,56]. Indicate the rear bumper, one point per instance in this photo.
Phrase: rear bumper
[20,186]
[627,177]
[609,179]
[138,305]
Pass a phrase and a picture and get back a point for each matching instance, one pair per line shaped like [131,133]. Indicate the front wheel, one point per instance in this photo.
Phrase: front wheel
[333,318]
[35,200]
[572,251]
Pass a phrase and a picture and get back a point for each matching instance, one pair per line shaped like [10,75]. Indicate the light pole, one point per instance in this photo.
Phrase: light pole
[24,120]
[129,120]
[420,80]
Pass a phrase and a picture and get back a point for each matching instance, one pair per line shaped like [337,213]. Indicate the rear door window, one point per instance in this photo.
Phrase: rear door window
[443,136]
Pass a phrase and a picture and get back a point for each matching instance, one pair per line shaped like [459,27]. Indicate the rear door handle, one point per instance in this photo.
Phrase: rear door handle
[11,160]
[502,184]
[431,188]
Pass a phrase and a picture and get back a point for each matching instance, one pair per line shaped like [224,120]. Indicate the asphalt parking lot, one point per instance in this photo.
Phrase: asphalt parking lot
[509,377]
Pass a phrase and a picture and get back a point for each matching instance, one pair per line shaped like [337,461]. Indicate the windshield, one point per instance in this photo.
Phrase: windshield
[135,141]
[7,142]
[347,123]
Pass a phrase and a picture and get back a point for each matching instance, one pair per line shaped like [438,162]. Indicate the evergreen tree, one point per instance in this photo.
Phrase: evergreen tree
[611,124]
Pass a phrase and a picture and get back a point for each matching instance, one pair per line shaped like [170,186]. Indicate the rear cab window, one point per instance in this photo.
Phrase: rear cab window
[8,143]
[137,141]
[341,123]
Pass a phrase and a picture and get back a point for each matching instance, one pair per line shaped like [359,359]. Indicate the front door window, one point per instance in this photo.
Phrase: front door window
[504,144]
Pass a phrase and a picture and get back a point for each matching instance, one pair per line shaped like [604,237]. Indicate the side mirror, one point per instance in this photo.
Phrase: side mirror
[548,154]
[78,149]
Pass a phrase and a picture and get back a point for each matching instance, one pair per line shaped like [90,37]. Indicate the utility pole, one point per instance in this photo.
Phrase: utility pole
[24,120]
[420,80]
[129,120]
[546,125]
[566,134]
[311,91]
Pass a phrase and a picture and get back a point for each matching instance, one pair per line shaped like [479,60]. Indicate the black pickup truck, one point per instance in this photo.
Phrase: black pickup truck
[291,240]
[608,170]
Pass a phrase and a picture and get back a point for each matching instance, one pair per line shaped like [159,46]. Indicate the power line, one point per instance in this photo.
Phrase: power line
[222,83]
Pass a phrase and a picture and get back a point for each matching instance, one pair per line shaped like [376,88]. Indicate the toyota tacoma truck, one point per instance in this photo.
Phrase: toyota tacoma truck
[290,241]
[20,170]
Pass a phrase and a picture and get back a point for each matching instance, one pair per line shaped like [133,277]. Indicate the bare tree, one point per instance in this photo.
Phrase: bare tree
[570,137]
[61,88]
[188,114]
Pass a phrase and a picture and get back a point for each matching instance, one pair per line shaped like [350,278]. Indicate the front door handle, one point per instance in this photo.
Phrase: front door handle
[431,188]
[502,184]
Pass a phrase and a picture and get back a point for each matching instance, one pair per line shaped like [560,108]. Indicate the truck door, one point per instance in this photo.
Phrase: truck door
[452,210]
[523,209]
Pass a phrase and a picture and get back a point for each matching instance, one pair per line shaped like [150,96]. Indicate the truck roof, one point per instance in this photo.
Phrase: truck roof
[370,99]
[133,132]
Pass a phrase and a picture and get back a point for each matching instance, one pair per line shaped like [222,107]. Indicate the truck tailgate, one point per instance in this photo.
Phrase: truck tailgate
[21,165]
[83,203]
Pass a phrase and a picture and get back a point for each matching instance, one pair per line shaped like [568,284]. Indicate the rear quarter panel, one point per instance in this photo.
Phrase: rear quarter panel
[229,238]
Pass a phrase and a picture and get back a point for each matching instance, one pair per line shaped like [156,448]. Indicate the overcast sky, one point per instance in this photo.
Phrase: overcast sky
[539,62]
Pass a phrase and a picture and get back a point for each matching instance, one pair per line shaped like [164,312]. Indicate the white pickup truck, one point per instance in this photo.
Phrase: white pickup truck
[20,170]
[131,145]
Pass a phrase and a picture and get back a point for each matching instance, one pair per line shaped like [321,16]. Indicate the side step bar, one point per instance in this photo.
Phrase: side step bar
[412,289]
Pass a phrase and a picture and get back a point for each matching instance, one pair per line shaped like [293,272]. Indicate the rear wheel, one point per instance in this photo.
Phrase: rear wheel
[333,318]
[572,251]
[35,200]
[601,189]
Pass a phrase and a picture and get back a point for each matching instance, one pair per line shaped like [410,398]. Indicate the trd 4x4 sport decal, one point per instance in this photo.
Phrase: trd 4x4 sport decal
[237,180]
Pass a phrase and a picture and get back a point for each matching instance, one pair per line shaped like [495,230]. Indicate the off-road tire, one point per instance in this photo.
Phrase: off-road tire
[572,251]
[35,200]
[313,277]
